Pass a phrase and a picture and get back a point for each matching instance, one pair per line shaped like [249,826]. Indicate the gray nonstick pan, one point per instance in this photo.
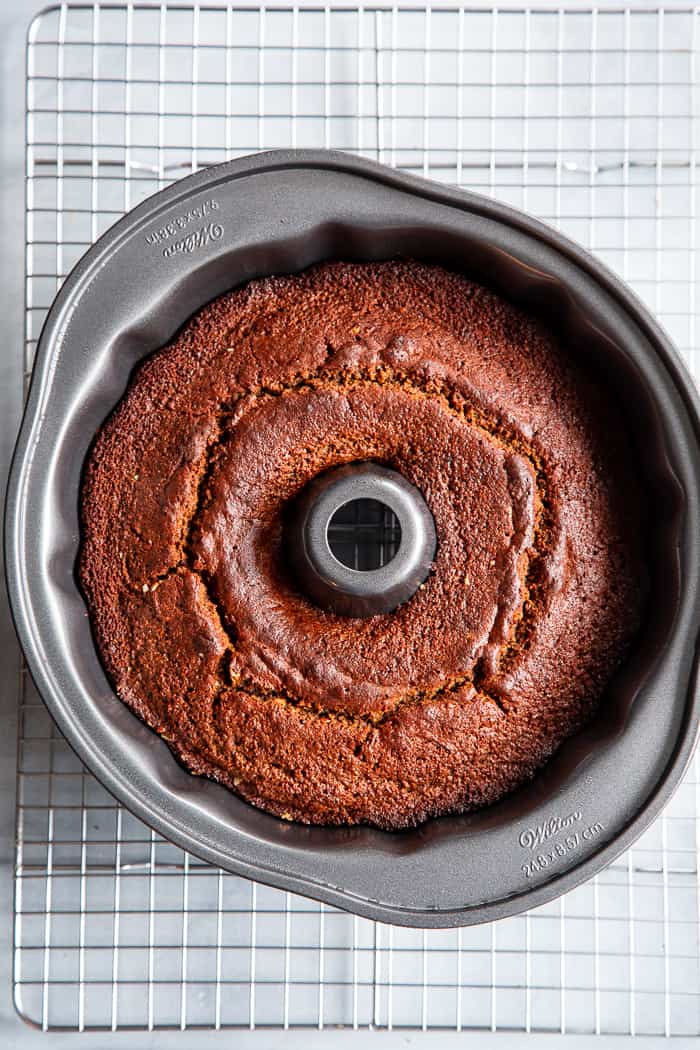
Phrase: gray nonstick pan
[279,213]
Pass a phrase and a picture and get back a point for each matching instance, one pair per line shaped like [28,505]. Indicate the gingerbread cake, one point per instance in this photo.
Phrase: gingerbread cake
[463,692]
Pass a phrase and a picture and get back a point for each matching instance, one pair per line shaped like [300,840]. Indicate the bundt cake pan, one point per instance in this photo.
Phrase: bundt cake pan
[278,213]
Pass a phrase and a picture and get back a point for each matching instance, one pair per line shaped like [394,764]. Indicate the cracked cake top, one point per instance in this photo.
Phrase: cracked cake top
[460,694]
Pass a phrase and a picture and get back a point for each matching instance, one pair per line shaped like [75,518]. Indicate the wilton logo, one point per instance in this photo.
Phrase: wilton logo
[213,231]
[531,838]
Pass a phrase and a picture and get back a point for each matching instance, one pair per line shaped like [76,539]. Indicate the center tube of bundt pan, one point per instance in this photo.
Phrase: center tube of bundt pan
[360,540]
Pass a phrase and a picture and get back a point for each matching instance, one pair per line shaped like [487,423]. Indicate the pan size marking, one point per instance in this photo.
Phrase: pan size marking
[181,222]
[555,851]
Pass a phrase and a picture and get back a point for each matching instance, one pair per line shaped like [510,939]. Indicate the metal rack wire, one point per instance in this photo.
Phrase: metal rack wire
[585,117]
[364,534]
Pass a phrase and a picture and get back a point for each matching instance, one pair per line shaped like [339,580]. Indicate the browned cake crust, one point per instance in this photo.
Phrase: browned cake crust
[462,693]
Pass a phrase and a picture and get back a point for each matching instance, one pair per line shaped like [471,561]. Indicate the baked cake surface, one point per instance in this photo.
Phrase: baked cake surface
[464,691]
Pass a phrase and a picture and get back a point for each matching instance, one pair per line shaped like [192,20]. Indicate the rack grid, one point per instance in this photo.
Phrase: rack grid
[586,117]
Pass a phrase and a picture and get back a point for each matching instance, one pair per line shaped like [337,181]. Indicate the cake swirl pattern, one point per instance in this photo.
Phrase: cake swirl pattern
[464,691]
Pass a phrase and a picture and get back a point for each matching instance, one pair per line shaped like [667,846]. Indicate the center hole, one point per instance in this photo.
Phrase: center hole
[364,534]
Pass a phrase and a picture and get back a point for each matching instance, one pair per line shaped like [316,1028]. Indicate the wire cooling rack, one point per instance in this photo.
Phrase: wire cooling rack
[586,118]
